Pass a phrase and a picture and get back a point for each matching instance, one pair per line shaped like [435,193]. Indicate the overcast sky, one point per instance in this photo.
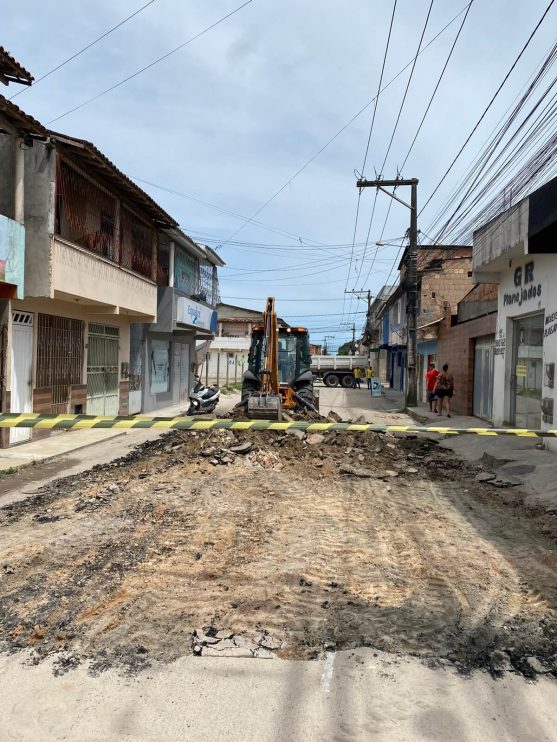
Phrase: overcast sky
[231,118]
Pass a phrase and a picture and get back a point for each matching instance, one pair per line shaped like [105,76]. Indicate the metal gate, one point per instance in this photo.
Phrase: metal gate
[102,370]
[59,358]
[136,365]
[483,377]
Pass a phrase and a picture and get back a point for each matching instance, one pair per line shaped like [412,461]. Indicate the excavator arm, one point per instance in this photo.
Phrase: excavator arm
[266,403]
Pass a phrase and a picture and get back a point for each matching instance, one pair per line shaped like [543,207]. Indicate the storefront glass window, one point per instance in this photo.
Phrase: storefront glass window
[527,371]
[160,366]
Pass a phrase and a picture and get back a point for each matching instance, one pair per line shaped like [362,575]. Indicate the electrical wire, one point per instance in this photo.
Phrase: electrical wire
[81,51]
[341,130]
[221,210]
[151,64]
[409,81]
[376,101]
[487,108]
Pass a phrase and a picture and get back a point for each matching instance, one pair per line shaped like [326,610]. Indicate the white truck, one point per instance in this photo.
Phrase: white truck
[335,370]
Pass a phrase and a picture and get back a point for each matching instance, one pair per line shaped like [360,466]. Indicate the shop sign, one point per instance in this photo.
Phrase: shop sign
[550,324]
[190,312]
[376,389]
[526,287]
[500,344]
[520,371]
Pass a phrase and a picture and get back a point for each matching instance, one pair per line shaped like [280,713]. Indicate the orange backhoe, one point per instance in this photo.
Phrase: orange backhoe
[278,376]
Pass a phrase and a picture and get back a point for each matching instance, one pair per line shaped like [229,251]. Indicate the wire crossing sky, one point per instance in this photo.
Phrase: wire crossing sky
[249,134]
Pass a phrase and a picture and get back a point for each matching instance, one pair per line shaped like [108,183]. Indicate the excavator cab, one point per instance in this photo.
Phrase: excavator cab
[278,375]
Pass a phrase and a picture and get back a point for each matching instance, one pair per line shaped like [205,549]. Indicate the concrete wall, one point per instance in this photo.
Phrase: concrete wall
[40,178]
[504,237]
[91,278]
[7,191]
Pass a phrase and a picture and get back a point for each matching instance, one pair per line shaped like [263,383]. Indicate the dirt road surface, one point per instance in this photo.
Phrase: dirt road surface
[351,561]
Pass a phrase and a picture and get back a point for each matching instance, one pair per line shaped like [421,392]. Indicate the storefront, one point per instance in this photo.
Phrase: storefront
[162,357]
[517,250]
[526,344]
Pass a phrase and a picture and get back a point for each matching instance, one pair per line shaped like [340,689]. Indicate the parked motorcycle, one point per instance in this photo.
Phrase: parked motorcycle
[203,399]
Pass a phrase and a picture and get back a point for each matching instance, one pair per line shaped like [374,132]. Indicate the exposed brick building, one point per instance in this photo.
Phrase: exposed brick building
[466,342]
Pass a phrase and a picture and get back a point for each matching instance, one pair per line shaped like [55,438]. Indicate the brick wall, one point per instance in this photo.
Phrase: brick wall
[456,347]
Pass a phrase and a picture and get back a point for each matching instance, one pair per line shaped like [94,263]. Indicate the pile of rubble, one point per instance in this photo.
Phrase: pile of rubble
[211,642]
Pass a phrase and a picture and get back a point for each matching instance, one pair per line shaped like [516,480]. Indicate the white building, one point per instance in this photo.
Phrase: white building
[517,250]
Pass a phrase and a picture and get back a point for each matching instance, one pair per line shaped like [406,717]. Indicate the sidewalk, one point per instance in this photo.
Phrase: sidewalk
[64,442]
[524,462]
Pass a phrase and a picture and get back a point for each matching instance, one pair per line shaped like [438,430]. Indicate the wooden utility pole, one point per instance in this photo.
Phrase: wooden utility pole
[411,275]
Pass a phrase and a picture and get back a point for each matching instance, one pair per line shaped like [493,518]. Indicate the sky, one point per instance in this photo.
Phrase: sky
[231,118]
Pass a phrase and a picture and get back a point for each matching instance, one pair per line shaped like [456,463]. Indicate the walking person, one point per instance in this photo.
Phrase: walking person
[430,382]
[369,376]
[357,377]
[444,388]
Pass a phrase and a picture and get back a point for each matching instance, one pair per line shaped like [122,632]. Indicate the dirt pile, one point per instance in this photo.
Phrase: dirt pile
[279,544]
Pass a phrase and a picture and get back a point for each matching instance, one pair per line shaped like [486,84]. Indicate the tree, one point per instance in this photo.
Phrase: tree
[346,349]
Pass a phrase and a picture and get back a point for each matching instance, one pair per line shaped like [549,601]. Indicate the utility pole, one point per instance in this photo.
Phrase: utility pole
[411,275]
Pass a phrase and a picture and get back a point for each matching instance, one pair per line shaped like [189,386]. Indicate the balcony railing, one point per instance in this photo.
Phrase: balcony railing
[90,216]
[191,277]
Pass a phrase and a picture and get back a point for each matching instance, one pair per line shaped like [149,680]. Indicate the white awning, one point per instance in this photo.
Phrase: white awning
[429,324]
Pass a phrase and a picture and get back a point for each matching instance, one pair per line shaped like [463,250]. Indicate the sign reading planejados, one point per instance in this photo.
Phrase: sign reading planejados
[189,312]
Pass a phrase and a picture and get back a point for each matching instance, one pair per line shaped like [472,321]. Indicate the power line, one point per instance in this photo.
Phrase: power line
[379,87]
[391,141]
[152,64]
[367,148]
[437,85]
[77,54]
[258,298]
[516,61]
[222,210]
[340,131]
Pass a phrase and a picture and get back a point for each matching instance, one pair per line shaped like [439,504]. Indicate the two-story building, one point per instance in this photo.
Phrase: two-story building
[18,133]
[163,353]
[91,242]
[517,250]
[376,332]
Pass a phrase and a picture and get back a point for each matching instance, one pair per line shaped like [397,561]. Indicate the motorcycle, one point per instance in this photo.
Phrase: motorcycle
[203,399]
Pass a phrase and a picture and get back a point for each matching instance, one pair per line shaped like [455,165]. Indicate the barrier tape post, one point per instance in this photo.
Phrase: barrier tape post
[80,422]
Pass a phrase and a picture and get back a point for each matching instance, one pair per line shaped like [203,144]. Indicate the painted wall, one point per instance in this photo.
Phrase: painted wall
[167,369]
[526,287]
[80,273]
[12,253]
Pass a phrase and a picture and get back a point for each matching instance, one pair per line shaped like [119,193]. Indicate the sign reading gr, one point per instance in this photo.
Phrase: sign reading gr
[524,282]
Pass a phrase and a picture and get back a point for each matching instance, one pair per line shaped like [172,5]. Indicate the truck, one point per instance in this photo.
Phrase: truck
[335,370]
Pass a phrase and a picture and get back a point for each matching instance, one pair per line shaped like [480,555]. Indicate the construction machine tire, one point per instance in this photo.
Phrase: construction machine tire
[347,381]
[331,380]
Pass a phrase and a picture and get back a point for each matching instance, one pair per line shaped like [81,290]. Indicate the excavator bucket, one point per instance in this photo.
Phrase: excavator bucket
[265,407]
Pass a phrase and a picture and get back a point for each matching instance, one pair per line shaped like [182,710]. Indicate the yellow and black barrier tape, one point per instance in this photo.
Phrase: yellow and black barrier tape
[80,422]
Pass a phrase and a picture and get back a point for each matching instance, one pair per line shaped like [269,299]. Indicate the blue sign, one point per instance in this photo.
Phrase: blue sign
[376,389]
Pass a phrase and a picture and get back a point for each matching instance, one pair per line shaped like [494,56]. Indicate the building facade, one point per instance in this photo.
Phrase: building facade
[517,251]
[91,242]
[163,353]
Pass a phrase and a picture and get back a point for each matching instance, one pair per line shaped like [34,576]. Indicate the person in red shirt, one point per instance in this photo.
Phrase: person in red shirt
[430,382]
